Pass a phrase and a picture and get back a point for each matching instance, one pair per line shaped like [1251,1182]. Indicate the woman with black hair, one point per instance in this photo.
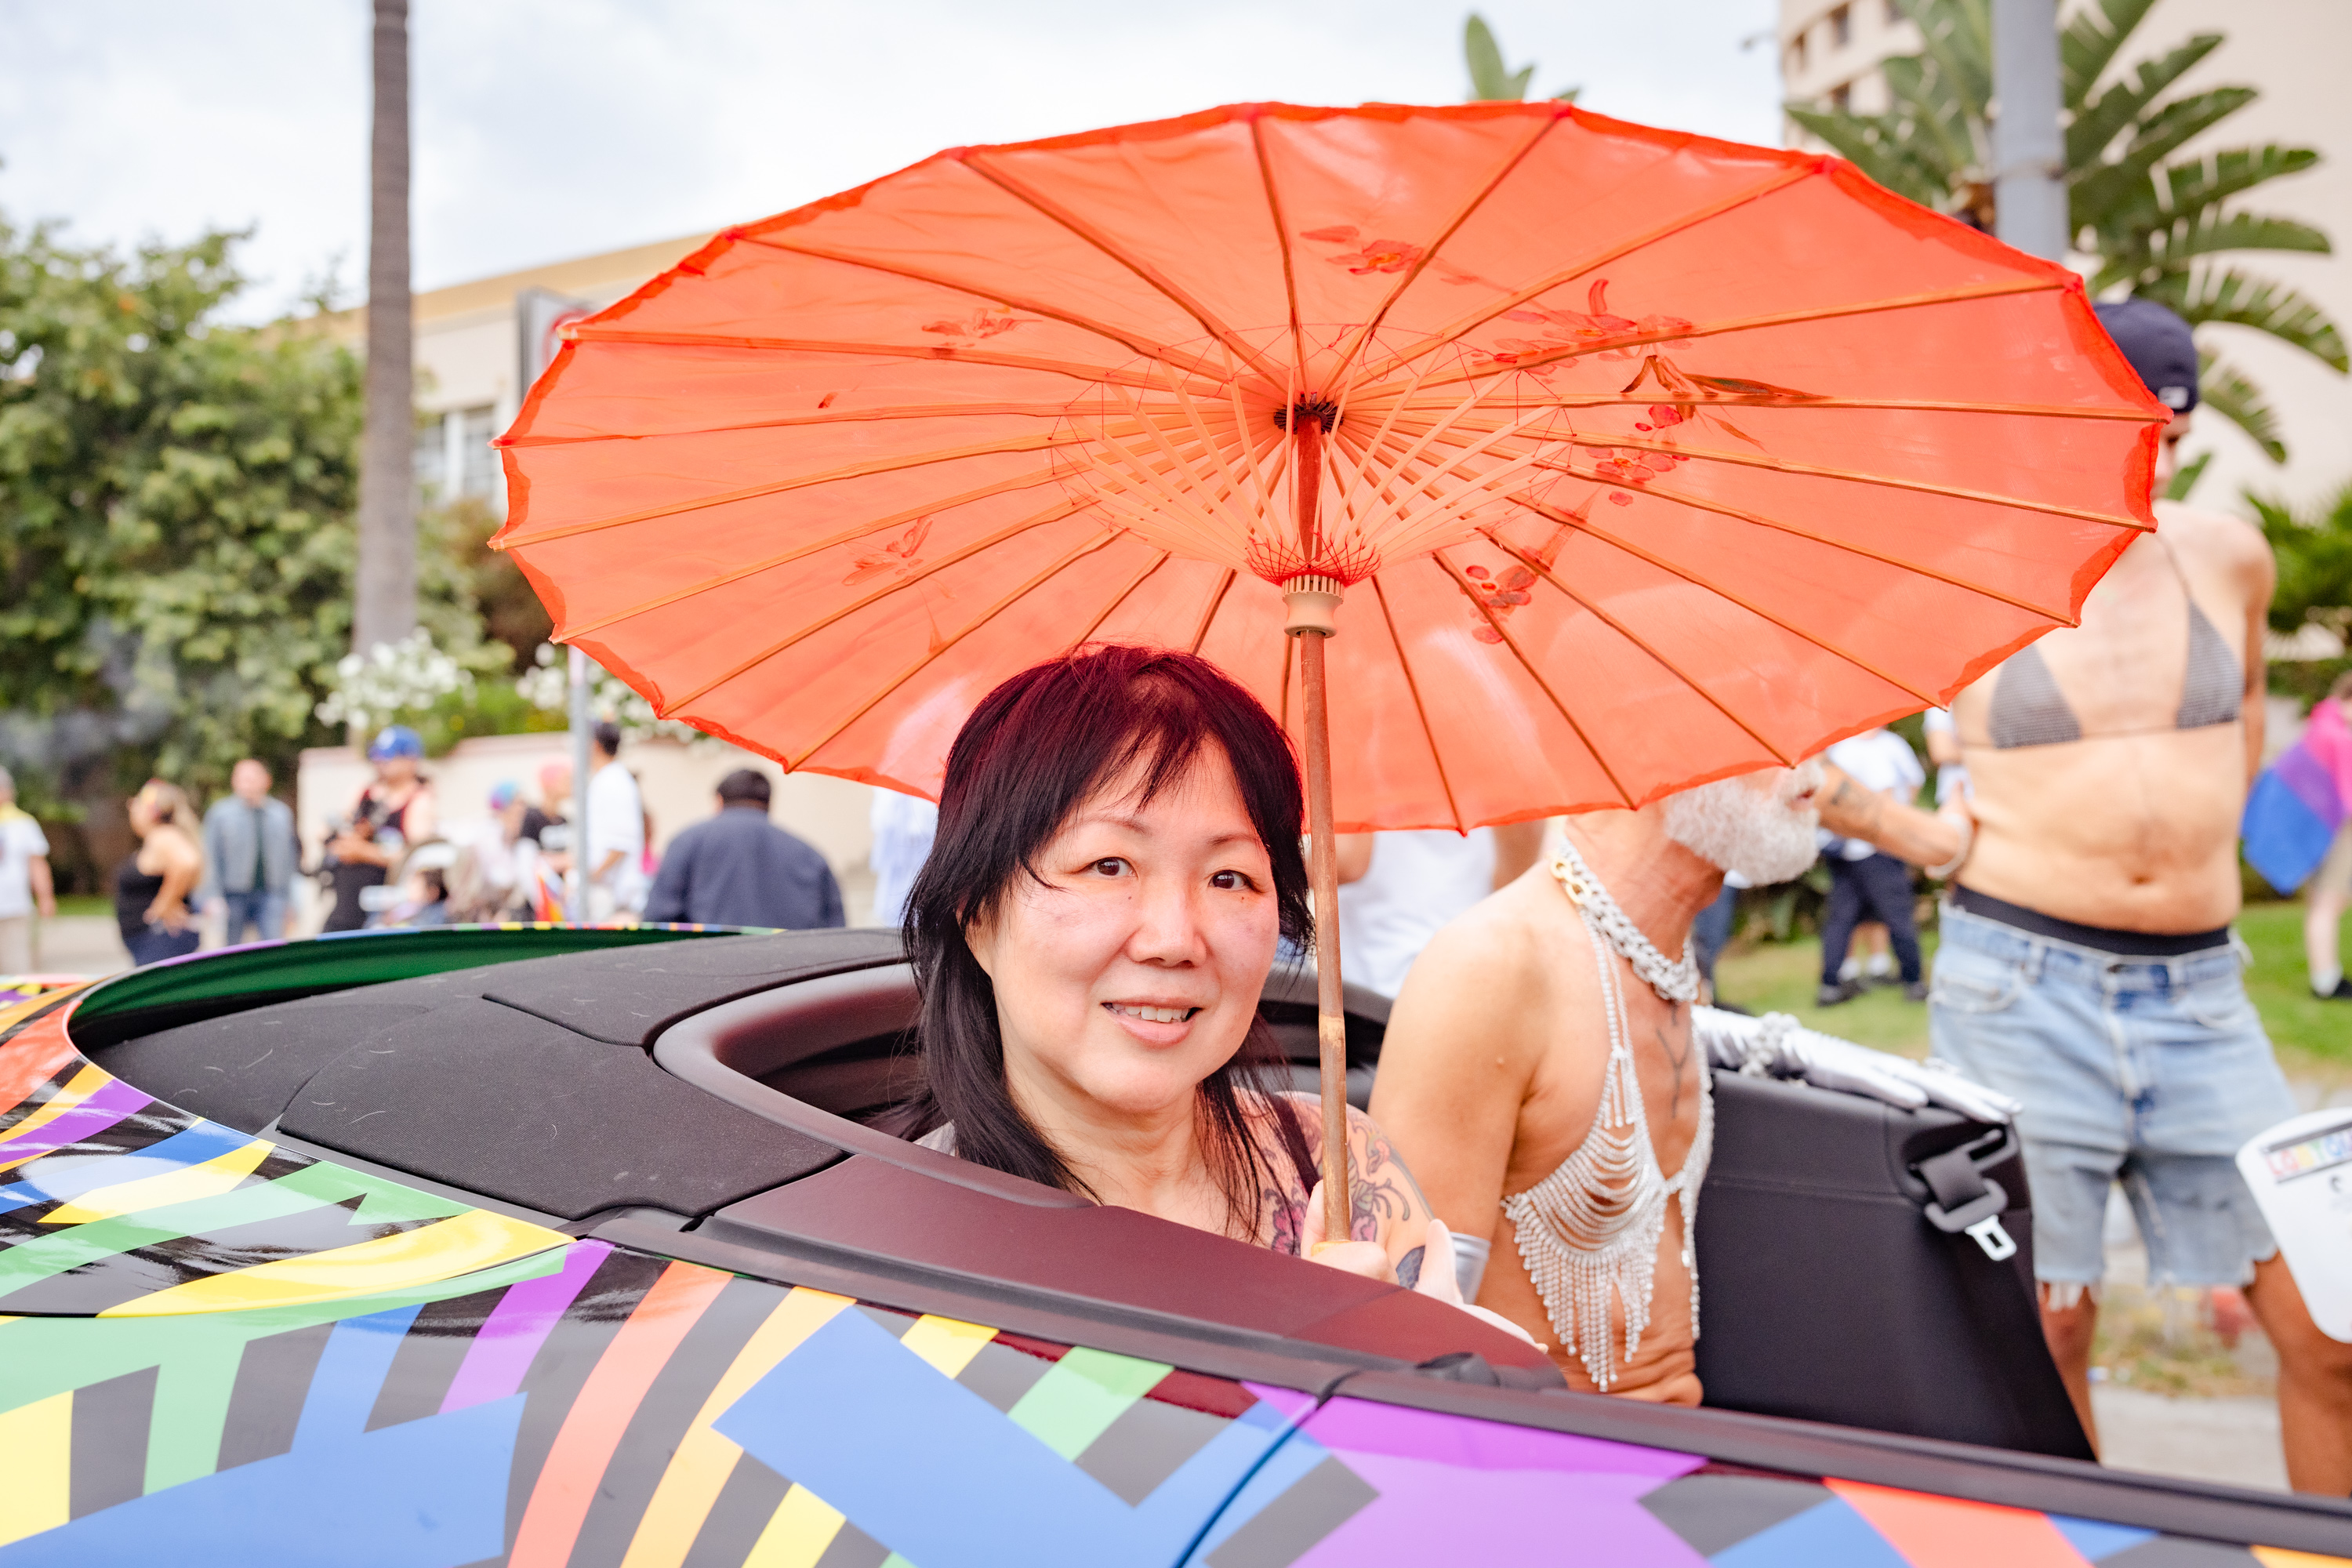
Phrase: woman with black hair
[1118,855]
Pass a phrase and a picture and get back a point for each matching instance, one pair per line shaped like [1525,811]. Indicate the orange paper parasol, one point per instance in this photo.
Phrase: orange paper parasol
[1617,459]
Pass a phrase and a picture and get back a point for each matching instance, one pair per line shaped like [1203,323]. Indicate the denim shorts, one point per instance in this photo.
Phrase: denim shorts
[2151,1072]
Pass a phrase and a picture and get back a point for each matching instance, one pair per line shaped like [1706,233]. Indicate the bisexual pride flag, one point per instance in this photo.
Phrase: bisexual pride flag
[2300,801]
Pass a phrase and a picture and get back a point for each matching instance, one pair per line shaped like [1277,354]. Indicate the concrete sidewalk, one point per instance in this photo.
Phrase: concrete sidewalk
[2232,1441]
[80,944]
[2230,1437]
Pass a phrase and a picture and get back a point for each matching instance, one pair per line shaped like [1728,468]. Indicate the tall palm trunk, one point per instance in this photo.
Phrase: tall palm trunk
[385,590]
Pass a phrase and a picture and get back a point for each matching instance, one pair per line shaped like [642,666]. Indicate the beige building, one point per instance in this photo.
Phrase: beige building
[471,343]
[477,344]
[2293,51]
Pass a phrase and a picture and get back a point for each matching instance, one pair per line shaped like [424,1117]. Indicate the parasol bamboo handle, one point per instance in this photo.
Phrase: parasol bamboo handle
[1323,872]
[1313,599]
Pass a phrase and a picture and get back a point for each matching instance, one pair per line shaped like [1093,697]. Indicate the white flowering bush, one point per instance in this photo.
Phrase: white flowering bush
[392,679]
[548,685]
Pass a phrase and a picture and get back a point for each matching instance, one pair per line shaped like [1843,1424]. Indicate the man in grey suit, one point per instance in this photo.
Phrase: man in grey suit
[250,856]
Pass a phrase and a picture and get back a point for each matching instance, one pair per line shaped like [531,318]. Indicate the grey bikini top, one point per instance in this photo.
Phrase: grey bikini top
[2027,709]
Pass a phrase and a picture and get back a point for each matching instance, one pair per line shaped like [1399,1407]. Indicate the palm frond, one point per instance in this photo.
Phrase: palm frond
[2229,394]
[2185,191]
[2314,550]
[2237,231]
[2098,188]
[1956,35]
[2184,478]
[1947,132]
[2196,182]
[2103,119]
[2088,44]
[1875,145]
[1490,79]
[2171,127]
[2226,295]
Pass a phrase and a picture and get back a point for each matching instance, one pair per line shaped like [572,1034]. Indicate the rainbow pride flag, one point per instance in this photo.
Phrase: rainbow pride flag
[2300,801]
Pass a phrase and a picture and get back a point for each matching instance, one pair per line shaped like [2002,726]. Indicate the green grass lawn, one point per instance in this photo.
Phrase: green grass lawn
[2312,1035]
[1784,977]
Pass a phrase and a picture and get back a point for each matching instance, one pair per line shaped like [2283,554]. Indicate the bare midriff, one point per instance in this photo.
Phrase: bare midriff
[2129,833]
[2134,827]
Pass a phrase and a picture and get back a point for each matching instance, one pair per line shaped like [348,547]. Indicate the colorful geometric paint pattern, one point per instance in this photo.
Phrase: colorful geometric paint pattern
[114,1203]
[218,1351]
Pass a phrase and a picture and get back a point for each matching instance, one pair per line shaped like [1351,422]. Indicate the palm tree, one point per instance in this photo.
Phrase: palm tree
[1490,79]
[2159,224]
[385,590]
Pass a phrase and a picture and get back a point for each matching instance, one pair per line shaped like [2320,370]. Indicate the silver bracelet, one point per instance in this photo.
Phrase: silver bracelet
[1968,842]
[1761,1050]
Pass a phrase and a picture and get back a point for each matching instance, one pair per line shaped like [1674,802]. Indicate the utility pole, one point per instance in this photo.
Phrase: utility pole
[385,587]
[2029,153]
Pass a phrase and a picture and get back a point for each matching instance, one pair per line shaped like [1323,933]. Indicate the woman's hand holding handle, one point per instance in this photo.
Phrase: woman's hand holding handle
[1364,1258]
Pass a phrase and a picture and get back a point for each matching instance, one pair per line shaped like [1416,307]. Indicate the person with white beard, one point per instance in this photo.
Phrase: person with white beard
[1546,1076]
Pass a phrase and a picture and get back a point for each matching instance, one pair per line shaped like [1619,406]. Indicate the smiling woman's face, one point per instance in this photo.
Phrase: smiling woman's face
[1130,968]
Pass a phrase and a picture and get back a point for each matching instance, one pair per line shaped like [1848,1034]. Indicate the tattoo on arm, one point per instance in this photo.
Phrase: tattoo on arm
[1408,1267]
[1381,1192]
[1862,804]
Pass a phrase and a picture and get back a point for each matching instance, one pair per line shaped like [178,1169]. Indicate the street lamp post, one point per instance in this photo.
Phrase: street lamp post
[2028,149]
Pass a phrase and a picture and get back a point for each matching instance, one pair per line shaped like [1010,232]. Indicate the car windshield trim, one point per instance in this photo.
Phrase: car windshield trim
[237,979]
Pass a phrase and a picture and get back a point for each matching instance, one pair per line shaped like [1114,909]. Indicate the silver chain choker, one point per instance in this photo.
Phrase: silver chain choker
[1671,981]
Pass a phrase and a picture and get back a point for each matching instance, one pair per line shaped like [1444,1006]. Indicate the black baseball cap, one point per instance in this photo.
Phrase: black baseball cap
[2158,345]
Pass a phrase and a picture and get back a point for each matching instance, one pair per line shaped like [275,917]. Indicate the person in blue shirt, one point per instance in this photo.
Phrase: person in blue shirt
[739,869]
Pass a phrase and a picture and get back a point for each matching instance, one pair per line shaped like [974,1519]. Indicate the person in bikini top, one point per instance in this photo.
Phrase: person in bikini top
[2087,965]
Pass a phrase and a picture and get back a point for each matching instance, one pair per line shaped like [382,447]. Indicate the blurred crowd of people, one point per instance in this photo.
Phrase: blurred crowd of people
[393,859]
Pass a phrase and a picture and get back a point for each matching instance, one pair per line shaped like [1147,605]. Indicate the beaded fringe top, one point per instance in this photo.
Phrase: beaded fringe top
[1593,1226]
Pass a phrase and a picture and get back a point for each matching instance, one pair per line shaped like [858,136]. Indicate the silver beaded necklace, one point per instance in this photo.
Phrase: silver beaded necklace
[1671,981]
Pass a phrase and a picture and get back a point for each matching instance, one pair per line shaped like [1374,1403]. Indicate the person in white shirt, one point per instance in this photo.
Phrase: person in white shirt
[1397,889]
[616,830]
[1865,882]
[1944,751]
[24,885]
[903,826]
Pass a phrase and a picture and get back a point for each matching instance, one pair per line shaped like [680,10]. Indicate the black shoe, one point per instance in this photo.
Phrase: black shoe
[1831,996]
[2343,992]
[1915,990]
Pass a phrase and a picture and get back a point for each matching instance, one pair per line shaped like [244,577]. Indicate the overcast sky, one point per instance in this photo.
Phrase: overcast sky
[546,130]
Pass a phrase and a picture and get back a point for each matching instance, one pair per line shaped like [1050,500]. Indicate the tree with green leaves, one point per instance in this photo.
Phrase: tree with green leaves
[2313,548]
[2162,226]
[1490,80]
[176,543]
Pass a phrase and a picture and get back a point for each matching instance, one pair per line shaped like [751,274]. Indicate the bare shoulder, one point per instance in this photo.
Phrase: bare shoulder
[1483,976]
[2214,538]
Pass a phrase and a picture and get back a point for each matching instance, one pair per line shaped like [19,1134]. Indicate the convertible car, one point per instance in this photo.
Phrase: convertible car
[566,1246]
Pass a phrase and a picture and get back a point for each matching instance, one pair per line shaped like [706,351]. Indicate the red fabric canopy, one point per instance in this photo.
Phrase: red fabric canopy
[1651,458]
